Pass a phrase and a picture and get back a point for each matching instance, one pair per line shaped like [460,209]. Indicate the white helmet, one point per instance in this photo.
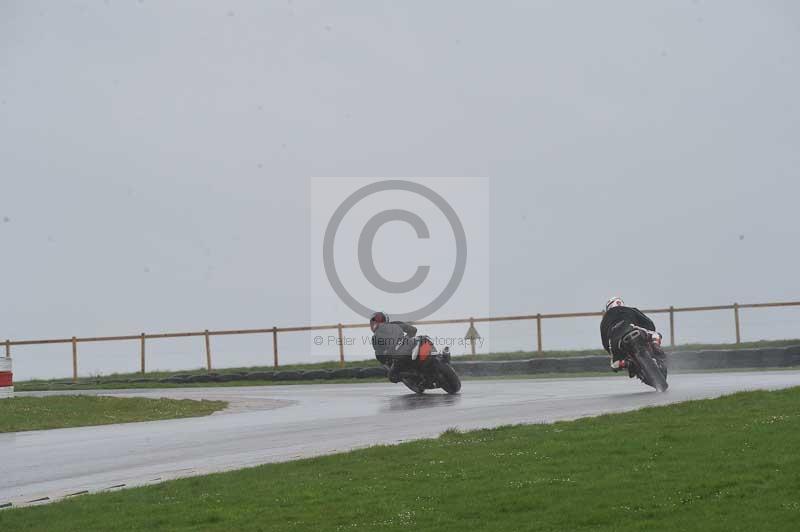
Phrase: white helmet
[614,302]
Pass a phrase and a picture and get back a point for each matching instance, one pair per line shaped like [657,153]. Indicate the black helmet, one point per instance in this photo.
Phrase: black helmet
[377,318]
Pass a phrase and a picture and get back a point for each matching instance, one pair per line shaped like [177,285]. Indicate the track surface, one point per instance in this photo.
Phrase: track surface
[279,423]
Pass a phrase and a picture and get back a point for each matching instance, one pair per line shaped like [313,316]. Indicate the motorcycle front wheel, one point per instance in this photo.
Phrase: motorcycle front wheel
[447,377]
[414,385]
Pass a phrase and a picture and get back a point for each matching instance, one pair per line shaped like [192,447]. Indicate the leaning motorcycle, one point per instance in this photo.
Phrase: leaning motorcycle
[643,361]
[430,369]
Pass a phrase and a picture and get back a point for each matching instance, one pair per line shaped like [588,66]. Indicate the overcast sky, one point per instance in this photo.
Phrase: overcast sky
[155,158]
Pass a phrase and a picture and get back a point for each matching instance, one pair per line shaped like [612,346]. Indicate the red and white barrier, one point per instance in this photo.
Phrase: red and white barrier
[6,378]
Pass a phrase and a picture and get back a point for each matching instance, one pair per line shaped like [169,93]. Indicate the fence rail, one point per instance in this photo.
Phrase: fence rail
[274,331]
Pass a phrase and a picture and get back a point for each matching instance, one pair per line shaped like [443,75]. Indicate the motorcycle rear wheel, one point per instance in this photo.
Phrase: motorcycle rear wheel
[652,373]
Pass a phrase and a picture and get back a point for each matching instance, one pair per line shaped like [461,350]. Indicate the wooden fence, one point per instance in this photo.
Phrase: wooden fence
[340,327]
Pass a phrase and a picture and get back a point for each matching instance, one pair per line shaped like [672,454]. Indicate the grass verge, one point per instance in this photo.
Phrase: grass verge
[116,380]
[724,464]
[56,412]
[39,386]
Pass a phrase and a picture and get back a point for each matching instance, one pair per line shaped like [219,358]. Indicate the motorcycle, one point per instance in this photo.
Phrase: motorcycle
[429,369]
[643,361]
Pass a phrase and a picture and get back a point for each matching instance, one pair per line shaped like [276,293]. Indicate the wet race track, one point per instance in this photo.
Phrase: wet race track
[279,423]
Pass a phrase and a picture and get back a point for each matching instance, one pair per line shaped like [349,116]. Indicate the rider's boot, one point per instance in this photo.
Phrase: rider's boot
[618,365]
[394,372]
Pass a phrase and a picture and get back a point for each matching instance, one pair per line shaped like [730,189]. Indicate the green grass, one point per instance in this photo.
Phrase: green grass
[721,465]
[37,386]
[97,381]
[55,412]
[101,382]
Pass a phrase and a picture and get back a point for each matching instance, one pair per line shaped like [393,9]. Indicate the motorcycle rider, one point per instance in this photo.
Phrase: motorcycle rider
[393,342]
[619,320]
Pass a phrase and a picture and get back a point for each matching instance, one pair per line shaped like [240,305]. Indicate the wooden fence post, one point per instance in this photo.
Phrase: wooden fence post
[208,351]
[472,337]
[275,346]
[672,326]
[539,333]
[74,359]
[8,348]
[736,319]
[341,347]
[143,364]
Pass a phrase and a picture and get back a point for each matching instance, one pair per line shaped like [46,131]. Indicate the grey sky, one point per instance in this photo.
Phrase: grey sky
[155,156]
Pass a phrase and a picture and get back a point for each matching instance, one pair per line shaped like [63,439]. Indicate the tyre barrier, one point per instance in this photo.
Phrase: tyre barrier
[367,373]
[316,375]
[200,378]
[260,376]
[6,378]
[767,357]
[344,373]
[230,377]
[288,376]
[174,380]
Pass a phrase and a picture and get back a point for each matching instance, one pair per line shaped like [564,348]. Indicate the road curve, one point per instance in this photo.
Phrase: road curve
[279,423]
